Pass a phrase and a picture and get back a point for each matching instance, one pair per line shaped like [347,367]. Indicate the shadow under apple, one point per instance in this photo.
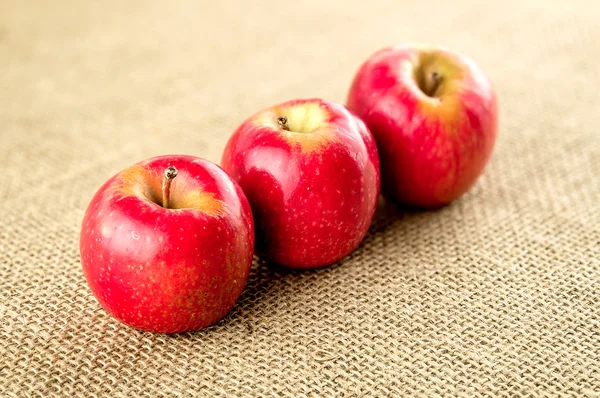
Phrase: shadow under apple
[269,286]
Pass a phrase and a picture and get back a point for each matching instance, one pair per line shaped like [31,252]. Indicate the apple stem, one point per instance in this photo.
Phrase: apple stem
[436,80]
[283,123]
[170,174]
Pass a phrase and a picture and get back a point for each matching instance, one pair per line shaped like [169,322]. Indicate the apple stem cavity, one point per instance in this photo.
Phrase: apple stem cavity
[283,123]
[170,174]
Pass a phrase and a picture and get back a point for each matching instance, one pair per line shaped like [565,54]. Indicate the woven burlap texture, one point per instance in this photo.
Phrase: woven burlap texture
[494,295]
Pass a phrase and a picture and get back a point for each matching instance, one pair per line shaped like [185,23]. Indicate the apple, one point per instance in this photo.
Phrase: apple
[433,114]
[166,244]
[310,170]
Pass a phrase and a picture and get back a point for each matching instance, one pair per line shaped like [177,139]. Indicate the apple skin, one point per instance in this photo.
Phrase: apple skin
[173,269]
[313,190]
[432,147]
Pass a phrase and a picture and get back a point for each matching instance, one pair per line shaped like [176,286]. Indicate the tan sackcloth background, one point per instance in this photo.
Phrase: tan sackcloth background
[495,295]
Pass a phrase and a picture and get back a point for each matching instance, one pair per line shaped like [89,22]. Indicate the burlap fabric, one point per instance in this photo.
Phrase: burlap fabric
[495,295]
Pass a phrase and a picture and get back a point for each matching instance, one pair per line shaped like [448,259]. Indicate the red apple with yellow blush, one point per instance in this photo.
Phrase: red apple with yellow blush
[310,171]
[166,244]
[433,114]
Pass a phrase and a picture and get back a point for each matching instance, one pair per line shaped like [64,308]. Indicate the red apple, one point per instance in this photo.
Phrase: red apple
[166,244]
[433,114]
[311,173]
